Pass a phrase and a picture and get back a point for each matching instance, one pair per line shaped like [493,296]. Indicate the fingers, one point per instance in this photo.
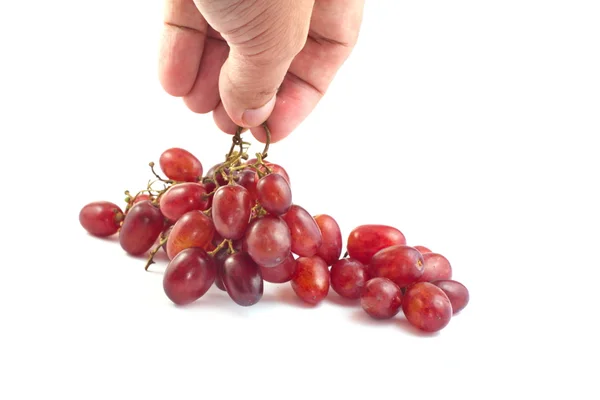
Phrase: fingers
[181,47]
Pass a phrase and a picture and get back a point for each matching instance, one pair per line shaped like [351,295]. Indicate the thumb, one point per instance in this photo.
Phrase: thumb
[261,51]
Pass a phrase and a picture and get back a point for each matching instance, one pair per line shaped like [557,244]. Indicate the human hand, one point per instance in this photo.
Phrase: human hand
[252,60]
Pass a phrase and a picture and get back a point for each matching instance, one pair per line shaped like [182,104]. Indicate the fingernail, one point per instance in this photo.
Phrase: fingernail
[257,116]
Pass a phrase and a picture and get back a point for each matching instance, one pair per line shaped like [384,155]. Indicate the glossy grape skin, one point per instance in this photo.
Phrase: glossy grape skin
[193,229]
[422,249]
[242,279]
[457,293]
[306,236]
[268,241]
[381,298]
[143,224]
[189,276]
[182,198]
[427,307]
[435,267]
[332,242]
[366,240]
[248,179]
[101,218]
[280,273]
[348,277]
[274,194]
[219,259]
[231,211]
[401,264]
[311,279]
[180,165]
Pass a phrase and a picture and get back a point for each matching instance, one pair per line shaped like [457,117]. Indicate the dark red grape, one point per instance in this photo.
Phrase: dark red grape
[306,236]
[348,277]
[331,245]
[401,264]
[248,179]
[280,273]
[457,293]
[182,198]
[381,298]
[220,258]
[242,279]
[231,211]
[180,165]
[189,276]
[101,218]
[435,267]
[311,279]
[218,177]
[193,229]
[422,249]
[274,194]
[268,241]
[366,240]
[143,224]
[427,307]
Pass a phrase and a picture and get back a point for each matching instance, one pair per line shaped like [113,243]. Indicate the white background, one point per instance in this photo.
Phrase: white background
[472,126]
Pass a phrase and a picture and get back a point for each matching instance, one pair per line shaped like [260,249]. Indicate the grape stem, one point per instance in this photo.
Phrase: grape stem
[163,241]
[225,242]
[151,164]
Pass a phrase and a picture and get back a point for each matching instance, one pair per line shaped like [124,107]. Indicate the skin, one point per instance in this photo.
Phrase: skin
[247,61]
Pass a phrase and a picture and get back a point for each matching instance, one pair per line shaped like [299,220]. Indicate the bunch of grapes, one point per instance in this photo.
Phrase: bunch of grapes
[237,227]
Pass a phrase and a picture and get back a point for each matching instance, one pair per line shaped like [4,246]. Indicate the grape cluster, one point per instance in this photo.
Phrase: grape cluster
[237,227]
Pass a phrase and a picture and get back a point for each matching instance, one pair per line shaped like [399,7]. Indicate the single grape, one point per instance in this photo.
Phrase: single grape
[274,194]
[101,218]
[182,198]
[435,267]
[189,276]
[422,249]
[219,259]
[457,293]
[242,279]
[348,277]
[275,168]
[381,298]
[143,224]
[427,307]
[366,240]
[268,241]
[280,273]
[231,211]
[331,245]
[306,236]
[180,165]
[248,179]
[401,264]
[193,229]
[141,197]
[311,279]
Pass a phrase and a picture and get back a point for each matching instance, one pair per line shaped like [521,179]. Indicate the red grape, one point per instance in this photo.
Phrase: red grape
[311,279]
[141,197]
[348,277]
[101,218]
[231,211]
[193,229]
[306,236]
[182,198]
[143,224]
[381,298]
[219,178]
[220,258]
[427,307]
[275,168]
[248,179]
[401,264]
[189,276]
[331,245]
[422,249]
[366,240]
[210,188]
[242,279]
[180,165]
[280,273]
[435,267]
[457,293]
[268,241]
[274,194]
